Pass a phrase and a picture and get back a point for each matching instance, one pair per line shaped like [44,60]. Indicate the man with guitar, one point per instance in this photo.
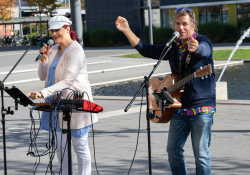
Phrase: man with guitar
[189,52]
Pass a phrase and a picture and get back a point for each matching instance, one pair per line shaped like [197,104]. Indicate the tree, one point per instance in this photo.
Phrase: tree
[5,9]
[66,3]
[45,6]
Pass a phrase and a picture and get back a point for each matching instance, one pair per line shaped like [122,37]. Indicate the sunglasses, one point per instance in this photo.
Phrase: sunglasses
[180,9]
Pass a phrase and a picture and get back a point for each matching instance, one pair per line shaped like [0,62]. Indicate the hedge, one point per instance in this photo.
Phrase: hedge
[102,37]
[218,33]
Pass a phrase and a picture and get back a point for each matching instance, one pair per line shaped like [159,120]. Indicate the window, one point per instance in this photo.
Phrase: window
[202,15]
[218,14]
[225,14]
[243,15]
[165,18]
[213,14]
[155,17]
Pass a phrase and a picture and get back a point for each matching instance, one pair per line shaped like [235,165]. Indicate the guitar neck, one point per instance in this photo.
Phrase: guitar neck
[181,83]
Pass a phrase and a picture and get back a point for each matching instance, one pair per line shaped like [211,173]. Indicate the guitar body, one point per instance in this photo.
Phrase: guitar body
[172,83]
[158,83]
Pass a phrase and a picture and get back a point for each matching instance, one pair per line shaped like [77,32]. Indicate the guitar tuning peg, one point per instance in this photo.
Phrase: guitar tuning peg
[202,78]
[206,76]
[201,67]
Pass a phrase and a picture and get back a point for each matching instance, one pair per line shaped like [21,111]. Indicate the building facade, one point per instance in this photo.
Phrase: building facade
[235,12]
[103,13]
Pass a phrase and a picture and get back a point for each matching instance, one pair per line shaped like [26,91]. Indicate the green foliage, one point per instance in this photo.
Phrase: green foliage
[217,54]
[214,31]
[160,35]
[119,39]
[86,39]
[102,37]
[33,34]
[146,39]
[224,54]
[132,55]
[219,32]
[231,33]
[47,6]
[243,28]
[26,29]
[5,9]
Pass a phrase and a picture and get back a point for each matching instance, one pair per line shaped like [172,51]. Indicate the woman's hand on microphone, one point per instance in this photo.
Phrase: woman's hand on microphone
[44,51]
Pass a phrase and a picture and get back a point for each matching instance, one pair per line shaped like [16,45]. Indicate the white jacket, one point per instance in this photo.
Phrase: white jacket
[71,72]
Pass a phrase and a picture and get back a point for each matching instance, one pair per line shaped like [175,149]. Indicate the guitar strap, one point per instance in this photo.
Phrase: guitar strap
[185,66]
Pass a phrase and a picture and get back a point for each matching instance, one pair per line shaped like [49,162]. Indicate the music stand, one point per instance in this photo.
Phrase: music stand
[163,95]
[19,97]
[164,98]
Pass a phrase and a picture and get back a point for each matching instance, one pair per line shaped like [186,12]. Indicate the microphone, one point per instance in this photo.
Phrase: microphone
[175,35]
[50,42]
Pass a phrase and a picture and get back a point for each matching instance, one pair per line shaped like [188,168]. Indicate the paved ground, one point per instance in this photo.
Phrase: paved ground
[116,132]
[115,141]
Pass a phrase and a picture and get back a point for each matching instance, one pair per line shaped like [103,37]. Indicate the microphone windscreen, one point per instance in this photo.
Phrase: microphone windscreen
[177,34]
[50,42]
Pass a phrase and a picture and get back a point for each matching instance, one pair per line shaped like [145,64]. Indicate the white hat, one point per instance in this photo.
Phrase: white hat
[58,22]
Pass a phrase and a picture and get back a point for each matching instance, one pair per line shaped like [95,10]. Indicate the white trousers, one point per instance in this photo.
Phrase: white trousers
[81,149]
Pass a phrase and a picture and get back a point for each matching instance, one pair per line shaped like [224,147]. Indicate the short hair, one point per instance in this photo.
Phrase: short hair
[183,12]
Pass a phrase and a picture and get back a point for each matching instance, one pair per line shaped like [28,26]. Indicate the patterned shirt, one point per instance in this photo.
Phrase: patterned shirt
[183,47]
[192,111]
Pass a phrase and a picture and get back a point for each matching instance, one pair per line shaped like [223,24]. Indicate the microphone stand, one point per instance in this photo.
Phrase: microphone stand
[8,111]
[149,116]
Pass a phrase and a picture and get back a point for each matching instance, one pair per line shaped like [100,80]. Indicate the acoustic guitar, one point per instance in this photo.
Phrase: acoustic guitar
[172,85]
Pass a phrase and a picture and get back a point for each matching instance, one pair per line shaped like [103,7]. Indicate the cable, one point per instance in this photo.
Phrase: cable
[33,137]
[51,147]
[58,106]
[137,136]
[52,134]
[37,164]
